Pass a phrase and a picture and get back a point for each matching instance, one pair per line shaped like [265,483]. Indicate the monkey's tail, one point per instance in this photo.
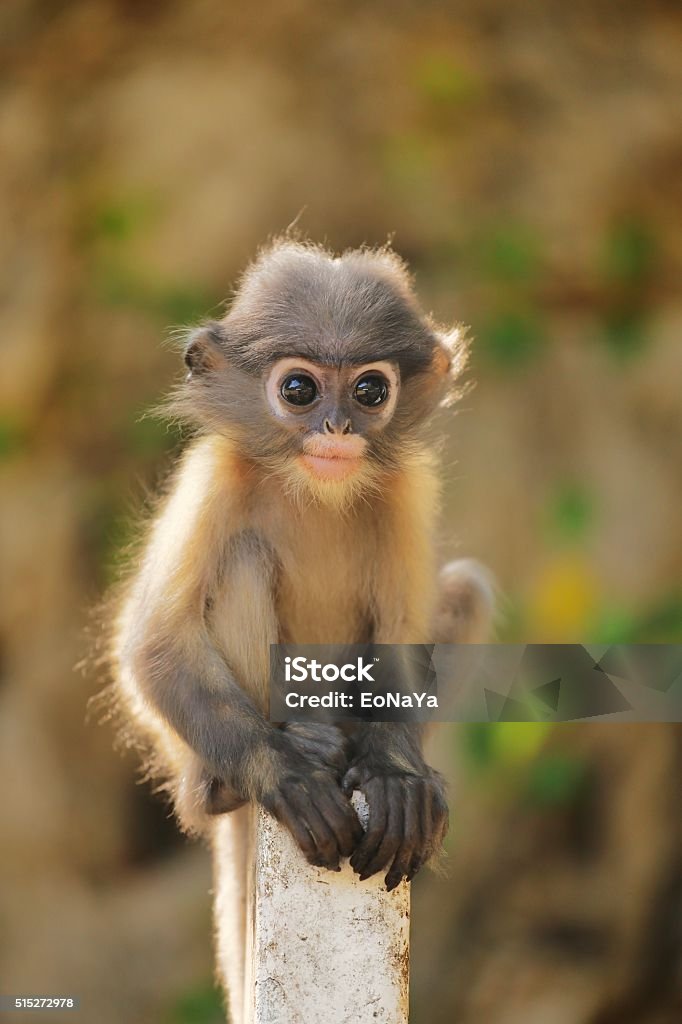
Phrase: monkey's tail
[467,602]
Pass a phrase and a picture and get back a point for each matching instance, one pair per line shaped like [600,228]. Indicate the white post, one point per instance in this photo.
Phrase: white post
[323,947]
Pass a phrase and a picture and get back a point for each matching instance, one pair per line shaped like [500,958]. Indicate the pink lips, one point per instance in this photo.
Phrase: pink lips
[330,468]
[332,458]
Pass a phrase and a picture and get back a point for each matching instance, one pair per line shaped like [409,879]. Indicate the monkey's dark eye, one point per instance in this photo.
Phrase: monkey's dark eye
[371,390]
[298,389]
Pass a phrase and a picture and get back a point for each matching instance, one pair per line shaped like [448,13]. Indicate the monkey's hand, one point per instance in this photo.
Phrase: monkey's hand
[304,794]
[323,745]
[408,816]
[321,752]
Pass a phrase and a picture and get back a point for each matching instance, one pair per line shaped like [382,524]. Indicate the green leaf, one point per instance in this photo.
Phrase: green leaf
[13,437]
[518,742]
[181,304]
[439,78]
[614,626]
[167,302]
[630,251]
[571,512]
[663,622]
[201,1005]
[148,436]
[625,332]
[502,744]
[509,253]
[555,779]
[511,339]
[408,161]
[118,219]
[477,744]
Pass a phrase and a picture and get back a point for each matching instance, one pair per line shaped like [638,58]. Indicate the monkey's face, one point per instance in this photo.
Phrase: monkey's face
[332,414]
[324,371]
[330,429]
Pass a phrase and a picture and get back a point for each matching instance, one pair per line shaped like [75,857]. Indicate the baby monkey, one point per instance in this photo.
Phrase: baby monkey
[302,512]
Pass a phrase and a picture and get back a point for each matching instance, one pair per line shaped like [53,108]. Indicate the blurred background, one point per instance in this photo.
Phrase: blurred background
[526,159]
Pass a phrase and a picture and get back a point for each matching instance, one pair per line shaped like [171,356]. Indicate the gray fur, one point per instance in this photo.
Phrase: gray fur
[299,299]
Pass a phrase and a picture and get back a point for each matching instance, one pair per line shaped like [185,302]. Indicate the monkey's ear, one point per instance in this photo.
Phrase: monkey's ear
[205,350]
[450,359]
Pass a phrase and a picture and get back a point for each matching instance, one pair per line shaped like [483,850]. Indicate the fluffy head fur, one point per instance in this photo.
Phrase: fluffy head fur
[300,300]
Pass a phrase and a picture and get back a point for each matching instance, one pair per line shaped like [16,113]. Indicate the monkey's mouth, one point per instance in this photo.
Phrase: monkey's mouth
[331,467]
[333,458]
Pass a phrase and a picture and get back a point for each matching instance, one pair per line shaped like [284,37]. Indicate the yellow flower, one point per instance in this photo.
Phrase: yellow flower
[562,602]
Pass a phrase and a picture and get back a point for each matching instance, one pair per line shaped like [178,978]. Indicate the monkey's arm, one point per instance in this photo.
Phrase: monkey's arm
[408,815]
[408,812]
[166,648]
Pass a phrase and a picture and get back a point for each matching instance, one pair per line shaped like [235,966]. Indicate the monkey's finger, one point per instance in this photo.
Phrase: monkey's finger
[288,817]
[393,833]
[403,857]
[375,793]
[440,823]
[326,846]
[339,814]
[441,817]
[351,780]
[437,825]
[423,846]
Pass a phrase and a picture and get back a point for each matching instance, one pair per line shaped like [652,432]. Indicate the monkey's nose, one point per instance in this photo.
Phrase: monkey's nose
[330,428]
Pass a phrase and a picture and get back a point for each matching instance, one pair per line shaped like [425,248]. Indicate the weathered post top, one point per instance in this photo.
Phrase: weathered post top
[325,948]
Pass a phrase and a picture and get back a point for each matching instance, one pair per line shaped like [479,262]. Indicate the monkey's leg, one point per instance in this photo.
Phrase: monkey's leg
[466,603]
[232,837]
